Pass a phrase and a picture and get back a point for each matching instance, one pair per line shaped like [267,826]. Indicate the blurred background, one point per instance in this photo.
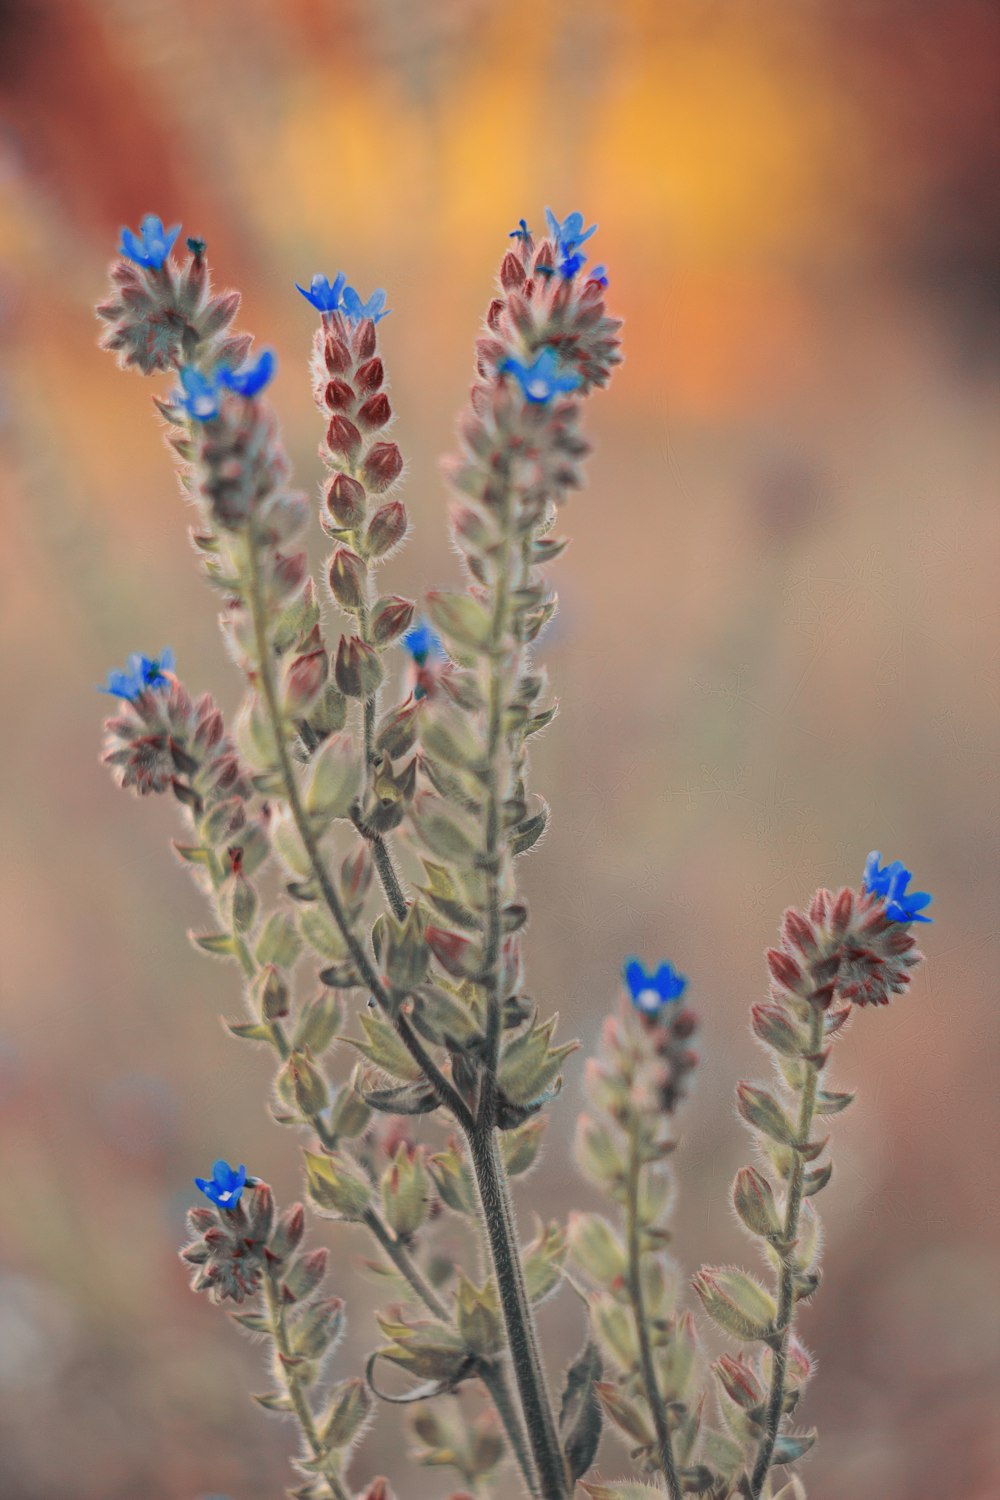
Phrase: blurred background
[776,648]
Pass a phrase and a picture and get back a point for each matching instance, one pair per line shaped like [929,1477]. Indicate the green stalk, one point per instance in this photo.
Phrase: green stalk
[300,1402]
[654,1398]
[786,1287]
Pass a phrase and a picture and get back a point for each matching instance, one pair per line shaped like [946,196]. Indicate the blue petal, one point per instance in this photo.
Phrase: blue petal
[167,659]
[131,247]
[635,977]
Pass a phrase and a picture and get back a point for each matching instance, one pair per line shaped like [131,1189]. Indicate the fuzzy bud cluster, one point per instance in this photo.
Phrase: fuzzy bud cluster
[163,740]
[231,1247]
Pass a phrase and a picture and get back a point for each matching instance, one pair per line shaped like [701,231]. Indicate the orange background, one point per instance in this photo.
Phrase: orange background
[776,648]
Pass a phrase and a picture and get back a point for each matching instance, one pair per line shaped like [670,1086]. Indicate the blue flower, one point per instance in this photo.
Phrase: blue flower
[422,643]
[890,883]
[600,275]
[151,246]
[199,395]
[355,309]
[569,235]
[324,297]
[570,264]
[522,232]
[225,1186]
[541,380]
[141,672]
[251,377]
[650,991]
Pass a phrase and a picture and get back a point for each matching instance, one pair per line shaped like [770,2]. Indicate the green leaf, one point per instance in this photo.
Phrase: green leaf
[580,1411]
[791,1446]
[279,942]
[221,944]
[322,933]
[383,1048]
[249,1031]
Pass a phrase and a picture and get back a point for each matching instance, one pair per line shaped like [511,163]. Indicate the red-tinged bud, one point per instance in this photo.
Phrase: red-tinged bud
[450,949]
[684,1024]
[489,353]
[511,271]
[494,313]
[800,1361]
[356,874]
[377,1490]
[345,500]
[304,680]
[840,915]
[365,339]
[471,530]
[798,933]
[272,993]
[382,466]
[786,972]
[397,733]
[820,905]
[288,1231]
[288,574]
[386,529]
[375,412]
[338,396]
[260,1211]
[776,1028]
[825,969]
[753,1200]
[336,355]
[342,437]
[369,376]
[200,1219]
[347,579]
[358,669]
[739,1381]
[390,617]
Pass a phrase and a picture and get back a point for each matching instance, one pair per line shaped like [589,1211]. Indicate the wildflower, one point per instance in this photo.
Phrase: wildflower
[652,991]
[541,380]
[890,883]
[354,309]
[570,264]
[324,297]
[522,232]
[600,275]
[199,394]
[225,1185]
[141,672]
[151,246]
[569,235]
[422,643]
[251,377]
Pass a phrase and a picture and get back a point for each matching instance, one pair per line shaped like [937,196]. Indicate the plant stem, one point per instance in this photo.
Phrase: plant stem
[444,1089]
[300,1402]
[654,1399]
[498,1216]
[786,1288]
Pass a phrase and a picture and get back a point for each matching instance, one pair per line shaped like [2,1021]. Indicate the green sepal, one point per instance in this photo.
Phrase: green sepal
[383,1048]
[250,1031]
[580,1419]
[221,944]
[279,942]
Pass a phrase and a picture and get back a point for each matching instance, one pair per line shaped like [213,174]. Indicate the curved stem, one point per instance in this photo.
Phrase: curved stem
[300,1402]
[654,1398]
[786,1287]
[444,1089]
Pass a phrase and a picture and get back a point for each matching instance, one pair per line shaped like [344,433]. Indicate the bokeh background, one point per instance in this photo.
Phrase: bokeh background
[776,648]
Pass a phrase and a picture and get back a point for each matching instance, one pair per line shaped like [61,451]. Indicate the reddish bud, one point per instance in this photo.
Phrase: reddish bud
[489,353]
[382,466]
[450,950]
[843,908]
[347,579]
[365,339]
[358,670]
[338,396]
[820,905]
[387,529]
[511,271]
[369,376]
[336,355]
[798,933]
[345,500]
[342,436]
[375,412]
[288,574]
[739,1381]
[494,313]
[390,617]
[305,677]
[786,972]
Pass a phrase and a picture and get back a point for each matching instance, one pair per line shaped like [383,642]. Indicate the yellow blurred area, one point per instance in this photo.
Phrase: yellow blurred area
[776,647]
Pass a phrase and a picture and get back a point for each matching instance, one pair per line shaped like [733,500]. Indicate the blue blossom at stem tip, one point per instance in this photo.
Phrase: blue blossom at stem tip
[522,232]
[422,642]
[569,233]
[141,672]
[225,1185]
[890,883]
[540,380]
[355,310]
[201,395]
[151,246]
[652,990]
[324,295]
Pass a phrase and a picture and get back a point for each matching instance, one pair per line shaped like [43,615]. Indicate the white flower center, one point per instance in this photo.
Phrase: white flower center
[648,1000]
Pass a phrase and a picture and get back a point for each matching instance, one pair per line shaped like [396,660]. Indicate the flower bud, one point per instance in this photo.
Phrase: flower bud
[334,779]
[336,1185]
[754,1202]
[382,466]
[287,575]
[347,579]
[245,904]
[342,437]
[349,1409]
[336,355]
[358,670]
[272,993]
[369,376]
[304,1276]
[289,1231]
[397,733]
[345,500]
[375,412]
[511,271]
[739,1381]
[386,529]
[405,1192]
[308,1084]
[389,618]
[338,396]
[304,679]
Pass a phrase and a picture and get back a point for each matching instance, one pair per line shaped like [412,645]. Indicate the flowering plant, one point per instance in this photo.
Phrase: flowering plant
[359,828]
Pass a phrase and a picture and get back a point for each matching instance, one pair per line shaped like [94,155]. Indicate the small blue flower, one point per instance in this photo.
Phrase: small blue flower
[522,232]
[225,1185]
[890,883]
[324,297]
[355,309]
[570,264]
[422,644]
[652,991]
[151,246]
[251,377]
[199,395]
[141,672]
[541,380]
[600,275]
[569,235]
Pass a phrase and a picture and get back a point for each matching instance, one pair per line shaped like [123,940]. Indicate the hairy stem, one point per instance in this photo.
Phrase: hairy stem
[444,1089]
[654,1398]
[786,1285]
[522,1339]
[300,1402]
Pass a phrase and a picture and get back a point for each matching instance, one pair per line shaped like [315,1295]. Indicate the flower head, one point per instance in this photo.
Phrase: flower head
[890,883]
[201,395]
[324,296]
[225,1185]
[355,310]
[569,234]
[151,246]
[541,380]
[141,672]
[522,232]
[652,990]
